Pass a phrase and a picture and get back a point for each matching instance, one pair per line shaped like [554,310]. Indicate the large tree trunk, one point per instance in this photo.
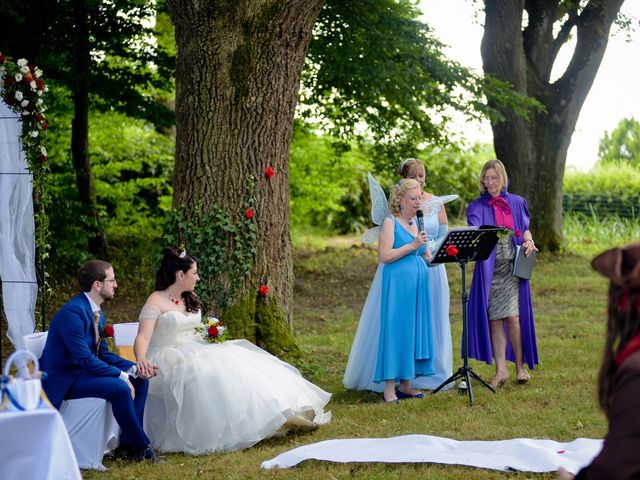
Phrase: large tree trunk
[80,131]
[237,79]
[534,150]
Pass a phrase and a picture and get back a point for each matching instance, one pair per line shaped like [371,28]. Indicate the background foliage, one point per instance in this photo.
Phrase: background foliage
[133,164]
[622,144]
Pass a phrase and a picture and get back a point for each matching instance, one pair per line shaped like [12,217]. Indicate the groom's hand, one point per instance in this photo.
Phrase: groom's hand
[146,369]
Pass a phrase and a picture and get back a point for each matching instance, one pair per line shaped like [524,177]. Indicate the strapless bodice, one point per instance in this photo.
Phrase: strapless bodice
[173,328]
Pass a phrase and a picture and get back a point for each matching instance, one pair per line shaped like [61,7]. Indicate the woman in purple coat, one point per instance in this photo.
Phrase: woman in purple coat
[500,311]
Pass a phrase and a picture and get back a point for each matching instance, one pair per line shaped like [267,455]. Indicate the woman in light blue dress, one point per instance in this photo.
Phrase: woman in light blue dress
[436,226]
[361,366]
[405,346]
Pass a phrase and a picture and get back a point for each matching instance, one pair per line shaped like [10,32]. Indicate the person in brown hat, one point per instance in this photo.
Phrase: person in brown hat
[619,379]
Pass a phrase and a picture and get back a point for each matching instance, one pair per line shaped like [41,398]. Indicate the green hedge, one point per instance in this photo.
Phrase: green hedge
[610,189]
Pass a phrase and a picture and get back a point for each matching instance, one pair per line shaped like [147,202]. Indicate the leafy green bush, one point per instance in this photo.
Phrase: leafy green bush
[619,179]
[623,144]
[329,187]
[132,165]
[326,183]
[609,189]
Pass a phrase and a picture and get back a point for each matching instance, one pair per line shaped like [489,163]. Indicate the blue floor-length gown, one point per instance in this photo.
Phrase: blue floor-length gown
[441,326]
[362,359]
[405,346]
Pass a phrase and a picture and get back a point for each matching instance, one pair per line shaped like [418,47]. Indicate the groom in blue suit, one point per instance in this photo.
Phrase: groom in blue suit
[79,364]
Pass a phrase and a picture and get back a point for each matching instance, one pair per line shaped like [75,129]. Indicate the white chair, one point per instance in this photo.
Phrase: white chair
[124,336]
[90,423]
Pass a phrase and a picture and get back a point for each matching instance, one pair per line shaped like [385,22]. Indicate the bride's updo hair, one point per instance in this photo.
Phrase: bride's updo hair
[173,260]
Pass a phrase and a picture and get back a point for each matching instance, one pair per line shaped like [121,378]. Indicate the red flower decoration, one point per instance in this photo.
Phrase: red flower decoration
[263,290]
[452,251]
[28,77]
[212,331]
[45,125]
[40,117]
[269,172]
[42,158]
[248,213]
[8,81]
[518,233]
[108,331]
[2,58]
[40,84]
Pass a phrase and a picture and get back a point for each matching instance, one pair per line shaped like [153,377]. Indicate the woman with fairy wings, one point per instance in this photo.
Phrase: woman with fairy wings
[361,366]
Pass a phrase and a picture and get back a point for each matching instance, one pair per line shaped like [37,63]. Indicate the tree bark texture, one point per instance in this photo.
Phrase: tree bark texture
[80,130]
[237,79]
[534,150]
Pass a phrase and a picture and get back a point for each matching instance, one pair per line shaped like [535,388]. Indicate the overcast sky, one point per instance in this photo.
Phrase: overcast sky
[615,93]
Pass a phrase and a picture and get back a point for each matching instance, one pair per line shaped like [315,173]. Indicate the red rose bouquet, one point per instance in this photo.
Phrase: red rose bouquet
[212,330]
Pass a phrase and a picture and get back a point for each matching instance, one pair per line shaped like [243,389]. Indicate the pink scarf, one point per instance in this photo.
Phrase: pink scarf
[502,212]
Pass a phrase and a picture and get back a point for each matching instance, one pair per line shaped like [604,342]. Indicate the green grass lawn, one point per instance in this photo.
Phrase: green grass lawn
[332,281]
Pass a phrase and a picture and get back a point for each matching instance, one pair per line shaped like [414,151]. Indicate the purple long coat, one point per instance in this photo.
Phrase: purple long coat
[480,213]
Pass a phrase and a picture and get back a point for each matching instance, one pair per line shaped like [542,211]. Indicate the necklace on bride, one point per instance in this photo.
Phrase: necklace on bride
[173,299]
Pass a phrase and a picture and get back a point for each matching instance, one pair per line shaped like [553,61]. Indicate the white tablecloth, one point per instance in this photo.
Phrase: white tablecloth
[35,445]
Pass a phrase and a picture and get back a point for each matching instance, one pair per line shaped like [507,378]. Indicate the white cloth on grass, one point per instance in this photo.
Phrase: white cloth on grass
[518,454]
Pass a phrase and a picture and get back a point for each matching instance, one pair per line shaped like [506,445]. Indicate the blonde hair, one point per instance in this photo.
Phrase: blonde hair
[399,191]
[498,166]
[410,167]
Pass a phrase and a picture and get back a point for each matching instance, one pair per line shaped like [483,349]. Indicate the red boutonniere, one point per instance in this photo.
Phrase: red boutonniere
[452,251]
[269,172]
[518,233]
[108,331]
[263,290]
[248,213]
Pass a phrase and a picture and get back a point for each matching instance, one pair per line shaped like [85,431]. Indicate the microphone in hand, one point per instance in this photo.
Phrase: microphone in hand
[420,221]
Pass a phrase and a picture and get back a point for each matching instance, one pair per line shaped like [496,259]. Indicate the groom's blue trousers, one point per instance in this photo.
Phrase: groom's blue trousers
[127,411]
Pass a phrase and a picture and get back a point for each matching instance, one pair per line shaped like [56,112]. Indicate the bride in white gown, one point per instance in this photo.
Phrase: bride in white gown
[212,397]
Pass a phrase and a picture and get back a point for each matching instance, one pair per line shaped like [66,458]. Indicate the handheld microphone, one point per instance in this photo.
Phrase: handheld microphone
[420,220]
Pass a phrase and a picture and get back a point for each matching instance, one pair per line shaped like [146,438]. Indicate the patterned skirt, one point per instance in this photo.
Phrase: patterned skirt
[504,298]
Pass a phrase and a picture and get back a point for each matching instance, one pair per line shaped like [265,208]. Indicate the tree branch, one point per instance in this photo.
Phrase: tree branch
[561,39]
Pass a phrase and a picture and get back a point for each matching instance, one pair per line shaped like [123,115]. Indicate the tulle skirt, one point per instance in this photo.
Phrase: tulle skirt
[226,396]
[363,357]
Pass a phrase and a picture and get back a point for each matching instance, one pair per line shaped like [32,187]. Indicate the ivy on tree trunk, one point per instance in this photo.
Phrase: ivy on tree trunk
[238,73]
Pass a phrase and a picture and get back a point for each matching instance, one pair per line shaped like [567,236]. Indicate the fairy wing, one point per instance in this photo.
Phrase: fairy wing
[379,205]
[379,210]
[434,203]
[371,236]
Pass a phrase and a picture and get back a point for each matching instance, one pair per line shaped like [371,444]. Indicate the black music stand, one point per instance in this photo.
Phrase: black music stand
[472,244]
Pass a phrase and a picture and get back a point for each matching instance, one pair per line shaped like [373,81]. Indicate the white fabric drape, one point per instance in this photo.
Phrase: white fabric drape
[517,454]
[17,231]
